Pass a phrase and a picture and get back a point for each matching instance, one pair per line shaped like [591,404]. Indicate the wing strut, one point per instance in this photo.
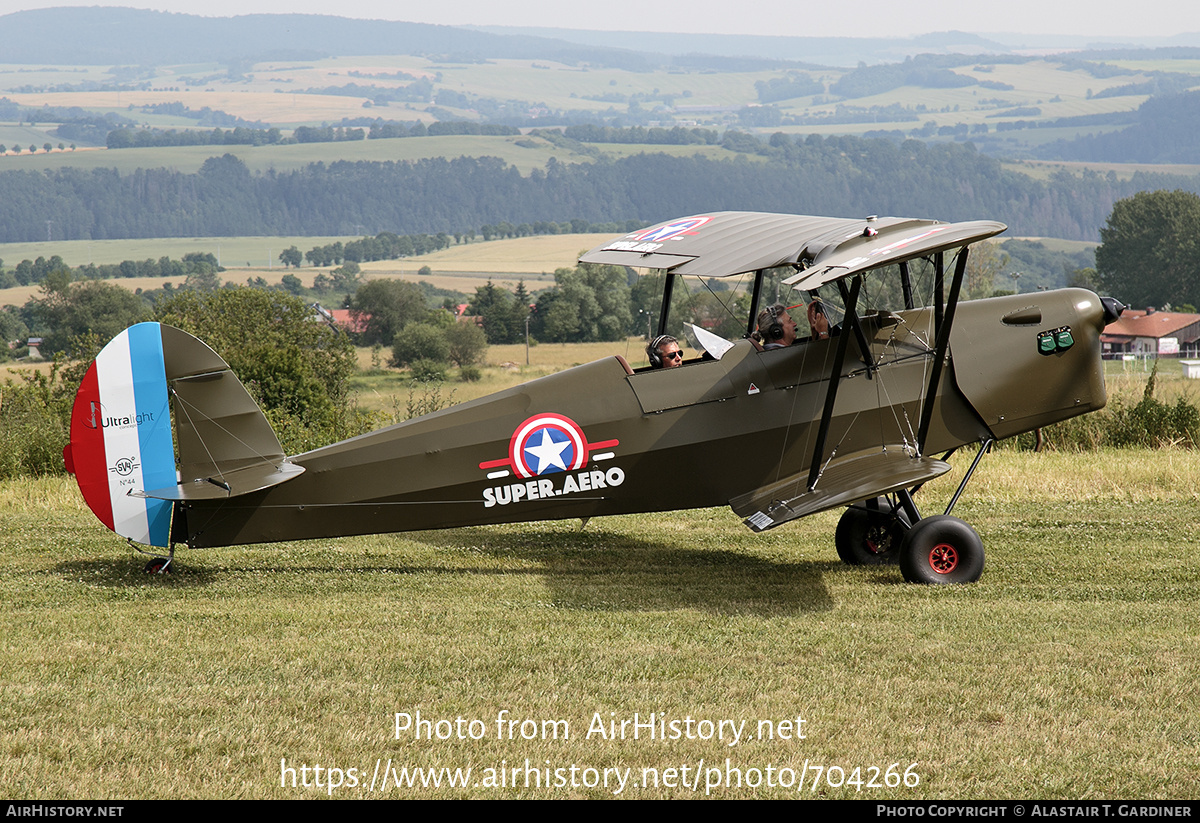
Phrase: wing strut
[835,377]
[668,287]
[758,281]
[852,319]
[939,289]
[944,323]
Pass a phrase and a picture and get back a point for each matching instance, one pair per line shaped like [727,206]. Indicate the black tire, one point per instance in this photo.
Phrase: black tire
[941,550]
[870,534]
[157,566]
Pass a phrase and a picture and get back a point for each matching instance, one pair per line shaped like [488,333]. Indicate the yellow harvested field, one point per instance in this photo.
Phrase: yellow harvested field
[519,254]
[470,265]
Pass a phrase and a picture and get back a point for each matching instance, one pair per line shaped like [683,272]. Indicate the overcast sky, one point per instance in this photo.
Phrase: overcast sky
[811,18]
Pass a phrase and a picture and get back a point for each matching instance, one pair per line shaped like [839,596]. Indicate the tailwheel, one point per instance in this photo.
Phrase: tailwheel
[159,565]
[871,533]
[941,550]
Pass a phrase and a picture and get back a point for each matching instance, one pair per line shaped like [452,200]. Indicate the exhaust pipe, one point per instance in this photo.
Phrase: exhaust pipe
[1112,309]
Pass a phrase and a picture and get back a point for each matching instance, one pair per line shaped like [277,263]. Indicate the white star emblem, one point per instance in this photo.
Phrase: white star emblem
[548,453]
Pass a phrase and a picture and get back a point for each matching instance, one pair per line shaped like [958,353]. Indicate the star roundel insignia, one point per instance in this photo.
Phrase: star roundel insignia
[671,230]
[547,443]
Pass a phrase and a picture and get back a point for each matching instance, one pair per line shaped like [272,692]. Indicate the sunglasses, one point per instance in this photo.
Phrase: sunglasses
[672,355]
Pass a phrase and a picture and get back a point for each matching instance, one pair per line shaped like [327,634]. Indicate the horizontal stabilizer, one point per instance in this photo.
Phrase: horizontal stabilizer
[230,484]
[845,480]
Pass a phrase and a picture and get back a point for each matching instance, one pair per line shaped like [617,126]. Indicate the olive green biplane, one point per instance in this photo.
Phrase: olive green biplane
[169,449]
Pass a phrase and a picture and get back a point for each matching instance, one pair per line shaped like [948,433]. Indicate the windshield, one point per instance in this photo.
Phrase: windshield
[722,305]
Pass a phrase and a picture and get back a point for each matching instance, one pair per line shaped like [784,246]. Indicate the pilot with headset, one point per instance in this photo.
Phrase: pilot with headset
[777,330]
[664,352]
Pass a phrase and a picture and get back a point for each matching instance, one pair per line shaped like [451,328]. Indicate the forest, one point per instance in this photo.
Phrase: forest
[837,175]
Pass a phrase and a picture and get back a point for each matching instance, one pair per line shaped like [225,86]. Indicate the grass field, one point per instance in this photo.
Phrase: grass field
[1066,672]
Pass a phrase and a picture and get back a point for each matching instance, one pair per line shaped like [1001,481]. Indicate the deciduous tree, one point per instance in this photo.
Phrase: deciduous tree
[294,365]
[291,256]
[385,306]
[1150,250]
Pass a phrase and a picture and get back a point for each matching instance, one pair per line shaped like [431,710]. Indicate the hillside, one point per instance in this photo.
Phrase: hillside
[103,36]
[154,70]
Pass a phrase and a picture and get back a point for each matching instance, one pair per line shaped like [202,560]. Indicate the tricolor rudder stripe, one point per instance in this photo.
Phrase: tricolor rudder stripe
[121,438]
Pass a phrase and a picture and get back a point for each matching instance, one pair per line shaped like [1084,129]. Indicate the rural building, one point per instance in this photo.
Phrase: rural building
[353,322]
[1150,333]
[460,314]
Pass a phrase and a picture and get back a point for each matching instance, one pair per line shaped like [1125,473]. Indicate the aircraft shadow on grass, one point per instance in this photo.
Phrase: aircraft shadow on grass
[592,570]
[601,570]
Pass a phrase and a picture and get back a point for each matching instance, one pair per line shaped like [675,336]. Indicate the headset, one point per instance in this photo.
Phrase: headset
[652,352]
[769,327]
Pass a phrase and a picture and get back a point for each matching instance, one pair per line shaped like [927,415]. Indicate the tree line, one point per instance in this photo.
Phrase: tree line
[255,134]
[835,176]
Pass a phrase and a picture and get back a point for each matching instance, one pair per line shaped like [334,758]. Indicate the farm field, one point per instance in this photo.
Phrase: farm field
[277,93]
[461,267]
[189,159]
[542,253]
[467,266]
[1064,673]
[1044,169]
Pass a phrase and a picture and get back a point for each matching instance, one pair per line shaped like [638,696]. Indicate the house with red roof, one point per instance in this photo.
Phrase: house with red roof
[1151,333]
[353,322]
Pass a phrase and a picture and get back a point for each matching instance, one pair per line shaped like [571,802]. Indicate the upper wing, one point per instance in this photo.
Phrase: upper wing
[883,242]
[717,244]
[824,248]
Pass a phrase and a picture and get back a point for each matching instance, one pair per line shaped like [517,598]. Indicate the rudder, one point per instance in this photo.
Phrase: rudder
[121,437]
[123,446]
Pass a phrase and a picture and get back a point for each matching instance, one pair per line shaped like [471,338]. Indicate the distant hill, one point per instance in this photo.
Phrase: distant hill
[1165,131]
[123,36]
[820,51]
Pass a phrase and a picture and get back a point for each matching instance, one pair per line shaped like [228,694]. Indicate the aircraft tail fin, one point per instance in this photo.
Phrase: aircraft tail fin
[123,446]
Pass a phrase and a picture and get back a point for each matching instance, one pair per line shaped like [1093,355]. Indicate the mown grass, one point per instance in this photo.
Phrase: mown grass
[1066,672]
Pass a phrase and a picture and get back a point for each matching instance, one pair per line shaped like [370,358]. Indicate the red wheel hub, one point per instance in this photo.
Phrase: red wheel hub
[943,558]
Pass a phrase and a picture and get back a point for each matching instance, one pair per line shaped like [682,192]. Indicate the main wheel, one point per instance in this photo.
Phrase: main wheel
[870,534]
[941,549]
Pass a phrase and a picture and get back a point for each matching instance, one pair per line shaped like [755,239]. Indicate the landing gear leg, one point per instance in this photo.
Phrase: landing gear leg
[943,549]
[159,564]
